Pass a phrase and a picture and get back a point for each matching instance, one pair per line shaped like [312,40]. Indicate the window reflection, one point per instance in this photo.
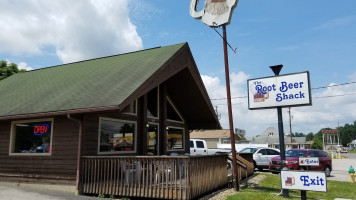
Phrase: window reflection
[116,135]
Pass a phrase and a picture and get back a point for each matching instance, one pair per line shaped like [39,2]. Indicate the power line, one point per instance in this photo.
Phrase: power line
[341,84]
[333,85]
[339,95]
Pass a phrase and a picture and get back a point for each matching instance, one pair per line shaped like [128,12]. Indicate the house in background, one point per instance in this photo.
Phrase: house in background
[271,137]
[352,145]
[214,138]
[90,120]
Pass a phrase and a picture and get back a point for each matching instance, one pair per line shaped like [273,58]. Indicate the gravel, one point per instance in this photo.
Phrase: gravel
[222,194]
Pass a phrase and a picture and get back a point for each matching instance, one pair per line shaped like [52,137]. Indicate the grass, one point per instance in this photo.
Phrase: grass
[271,186]
[352,151]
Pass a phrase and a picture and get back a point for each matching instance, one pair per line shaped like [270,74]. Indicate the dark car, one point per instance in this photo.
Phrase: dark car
[292,161]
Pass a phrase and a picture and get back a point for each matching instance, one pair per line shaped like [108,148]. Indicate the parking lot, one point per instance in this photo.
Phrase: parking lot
[340,171]
[341,167]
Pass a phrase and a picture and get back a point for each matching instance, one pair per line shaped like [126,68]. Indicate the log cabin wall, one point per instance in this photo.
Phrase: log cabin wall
[61,164]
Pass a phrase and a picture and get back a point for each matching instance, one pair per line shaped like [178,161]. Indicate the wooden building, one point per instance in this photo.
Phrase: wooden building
[67,122]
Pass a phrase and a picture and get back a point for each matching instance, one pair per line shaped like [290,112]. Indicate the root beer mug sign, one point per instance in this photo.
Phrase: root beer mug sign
[279,91]
[215,12]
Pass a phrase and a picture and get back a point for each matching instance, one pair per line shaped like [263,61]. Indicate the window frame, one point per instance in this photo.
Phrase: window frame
[169,101]
[200,144]
[158,131]
[12,137]
[183,136]
[135,106]
[262,150]
[116,152]
[274,152]
[158,110]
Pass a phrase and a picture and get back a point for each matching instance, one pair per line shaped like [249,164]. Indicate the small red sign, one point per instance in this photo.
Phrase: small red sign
[334,131]
[41,129]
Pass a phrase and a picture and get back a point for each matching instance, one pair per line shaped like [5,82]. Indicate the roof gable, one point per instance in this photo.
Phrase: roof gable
[93,83]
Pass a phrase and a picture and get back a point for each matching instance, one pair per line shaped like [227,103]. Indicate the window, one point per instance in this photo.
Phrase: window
[152,139]
[322,154]
[312,154]
[191,144]
[263,152]
[174,138]
[200,144]
[130,109]
[172,112]
[31,137]
[248,150]
[152,103]
[116,136]
[295,153]
[272,152]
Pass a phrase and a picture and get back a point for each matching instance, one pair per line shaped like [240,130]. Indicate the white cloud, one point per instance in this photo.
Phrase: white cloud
[77,29]
[334,23]
[325,112]
[23,65]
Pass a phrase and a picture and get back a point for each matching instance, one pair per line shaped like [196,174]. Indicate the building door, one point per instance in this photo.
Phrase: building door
[152,139]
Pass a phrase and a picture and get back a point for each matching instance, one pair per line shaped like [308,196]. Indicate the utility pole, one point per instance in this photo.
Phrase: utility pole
[338,136]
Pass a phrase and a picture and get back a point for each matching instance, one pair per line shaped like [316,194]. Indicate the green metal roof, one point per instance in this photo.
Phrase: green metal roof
[93,83]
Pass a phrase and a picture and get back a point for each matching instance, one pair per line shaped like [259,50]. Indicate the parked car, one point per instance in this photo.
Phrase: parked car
[199,147]
[292,161]
[343,150]
[261,156]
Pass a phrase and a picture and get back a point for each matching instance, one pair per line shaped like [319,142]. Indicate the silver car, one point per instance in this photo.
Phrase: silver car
[261,156]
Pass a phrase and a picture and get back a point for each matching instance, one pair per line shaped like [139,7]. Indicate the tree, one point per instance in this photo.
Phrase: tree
[309,136]
[7,69]
[317,144]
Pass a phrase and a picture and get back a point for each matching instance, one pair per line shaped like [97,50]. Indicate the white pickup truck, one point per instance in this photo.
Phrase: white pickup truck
[199,147]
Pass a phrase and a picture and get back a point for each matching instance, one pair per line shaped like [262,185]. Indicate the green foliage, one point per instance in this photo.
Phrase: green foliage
[7,69]
[309,136]
[271,186]
[102,196]
[347,133]
[317,143]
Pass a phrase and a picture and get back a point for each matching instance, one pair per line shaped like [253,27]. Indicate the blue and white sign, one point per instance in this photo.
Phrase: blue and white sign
[296,180]
[279,91]
[311,161]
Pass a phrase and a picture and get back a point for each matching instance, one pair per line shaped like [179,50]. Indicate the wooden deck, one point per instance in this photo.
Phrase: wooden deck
[165,177]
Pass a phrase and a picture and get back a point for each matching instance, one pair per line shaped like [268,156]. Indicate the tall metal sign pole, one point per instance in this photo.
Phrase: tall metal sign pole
[276,69]
[218,13]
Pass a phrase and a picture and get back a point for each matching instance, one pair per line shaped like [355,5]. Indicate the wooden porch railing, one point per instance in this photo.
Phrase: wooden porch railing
[166,177]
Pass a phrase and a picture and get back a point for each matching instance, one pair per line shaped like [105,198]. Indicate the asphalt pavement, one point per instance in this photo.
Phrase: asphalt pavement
[340,171]
[39,191]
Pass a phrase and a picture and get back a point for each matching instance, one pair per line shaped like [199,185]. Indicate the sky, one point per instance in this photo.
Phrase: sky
[315,36]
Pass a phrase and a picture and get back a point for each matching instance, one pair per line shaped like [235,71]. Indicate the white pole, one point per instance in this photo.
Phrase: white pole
[323,142]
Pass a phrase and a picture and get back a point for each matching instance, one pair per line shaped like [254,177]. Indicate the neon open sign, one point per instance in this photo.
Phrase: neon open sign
[41,129]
